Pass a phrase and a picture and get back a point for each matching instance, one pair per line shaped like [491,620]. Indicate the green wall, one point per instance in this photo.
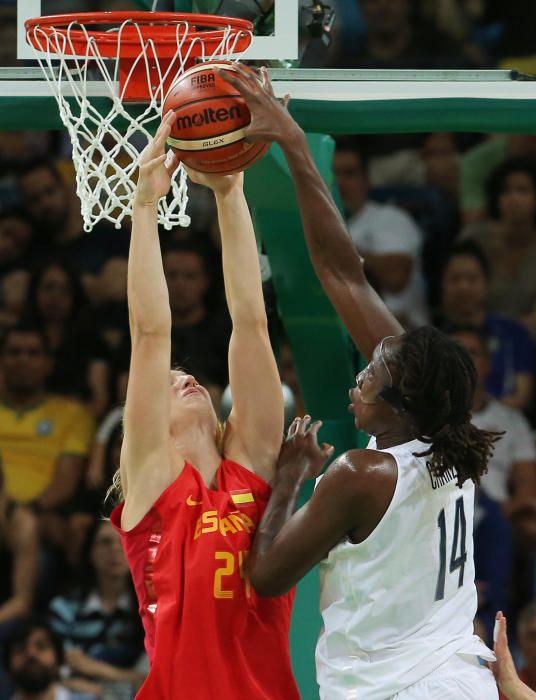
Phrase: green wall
[321,348]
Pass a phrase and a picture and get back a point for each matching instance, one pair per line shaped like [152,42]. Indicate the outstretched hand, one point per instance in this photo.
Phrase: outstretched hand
[154,179]
[301,450]
[219,184]
[503,669]
[270,119]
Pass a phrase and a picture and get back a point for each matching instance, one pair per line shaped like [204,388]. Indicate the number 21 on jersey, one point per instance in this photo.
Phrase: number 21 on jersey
[458,553]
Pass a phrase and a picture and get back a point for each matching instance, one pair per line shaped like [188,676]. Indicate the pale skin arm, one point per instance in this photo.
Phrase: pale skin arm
[504,670]
[145,454]
[255,424]
[23,542]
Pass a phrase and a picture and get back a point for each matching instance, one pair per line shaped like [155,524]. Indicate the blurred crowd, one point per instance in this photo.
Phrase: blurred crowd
[446,224]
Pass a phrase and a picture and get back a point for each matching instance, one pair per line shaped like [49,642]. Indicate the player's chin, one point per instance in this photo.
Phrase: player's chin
[354,411]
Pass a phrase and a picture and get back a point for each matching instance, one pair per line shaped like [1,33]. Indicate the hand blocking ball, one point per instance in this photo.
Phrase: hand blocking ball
[210,121]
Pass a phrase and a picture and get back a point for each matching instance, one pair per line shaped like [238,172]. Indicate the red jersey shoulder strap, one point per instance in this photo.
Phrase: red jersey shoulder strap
[188,480]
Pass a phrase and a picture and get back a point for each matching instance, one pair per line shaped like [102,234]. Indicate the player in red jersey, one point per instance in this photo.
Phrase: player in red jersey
[192,501]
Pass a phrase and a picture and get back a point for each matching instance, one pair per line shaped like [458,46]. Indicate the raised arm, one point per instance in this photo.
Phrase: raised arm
[145,452]
[255,425]
[333,254]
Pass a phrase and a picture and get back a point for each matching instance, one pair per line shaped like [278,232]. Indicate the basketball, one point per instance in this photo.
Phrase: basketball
[210,121]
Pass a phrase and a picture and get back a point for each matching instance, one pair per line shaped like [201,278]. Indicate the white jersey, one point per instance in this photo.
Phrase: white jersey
[398,605]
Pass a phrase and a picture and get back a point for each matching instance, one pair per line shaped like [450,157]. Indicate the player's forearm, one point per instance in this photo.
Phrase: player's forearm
[148,298]
[330,246]
[241,269]
[263,566]
[517,690]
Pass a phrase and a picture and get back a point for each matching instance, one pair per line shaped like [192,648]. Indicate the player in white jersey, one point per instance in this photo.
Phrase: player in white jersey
[392,524]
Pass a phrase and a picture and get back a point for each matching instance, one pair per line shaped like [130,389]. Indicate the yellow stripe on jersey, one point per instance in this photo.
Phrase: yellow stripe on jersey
[244,497]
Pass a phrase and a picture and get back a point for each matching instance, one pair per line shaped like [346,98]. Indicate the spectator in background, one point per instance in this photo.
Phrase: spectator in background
[516,47]
[395,39]
[15,240]
[33,658]
[464,301]
[19,551]
[102,465]
[57,305]
[511,476]
[386,236]
[526,640]
[16,147]
[479,162]
[494,560]
[44,439]
[509,240]
[199,334]
[13,294]
[58,229]
[98,620]
[18,561]
[287,372]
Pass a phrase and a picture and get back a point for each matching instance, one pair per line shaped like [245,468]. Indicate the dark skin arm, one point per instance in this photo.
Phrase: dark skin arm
[350,500]
[335,259]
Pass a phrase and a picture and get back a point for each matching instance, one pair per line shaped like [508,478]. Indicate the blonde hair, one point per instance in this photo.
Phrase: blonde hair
[115,493]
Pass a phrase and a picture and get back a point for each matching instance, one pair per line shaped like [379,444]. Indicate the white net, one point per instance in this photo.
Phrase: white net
[107,137]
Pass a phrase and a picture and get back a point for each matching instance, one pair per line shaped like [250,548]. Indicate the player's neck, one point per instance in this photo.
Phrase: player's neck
[394,436]
[198,447]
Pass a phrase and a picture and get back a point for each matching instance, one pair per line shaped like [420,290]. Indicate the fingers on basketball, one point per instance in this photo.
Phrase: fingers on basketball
[239,79]
[266,82]
[153,163]
[172,162]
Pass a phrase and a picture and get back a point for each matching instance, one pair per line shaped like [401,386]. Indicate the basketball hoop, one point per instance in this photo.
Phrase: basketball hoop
[142,53]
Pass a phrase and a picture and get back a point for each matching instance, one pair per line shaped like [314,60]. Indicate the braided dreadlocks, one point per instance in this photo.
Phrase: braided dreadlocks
[437,379]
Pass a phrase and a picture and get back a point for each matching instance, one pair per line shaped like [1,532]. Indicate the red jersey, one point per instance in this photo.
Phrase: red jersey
[207,633]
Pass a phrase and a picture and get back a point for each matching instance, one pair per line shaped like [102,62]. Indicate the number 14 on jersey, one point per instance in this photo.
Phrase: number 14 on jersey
[458,554]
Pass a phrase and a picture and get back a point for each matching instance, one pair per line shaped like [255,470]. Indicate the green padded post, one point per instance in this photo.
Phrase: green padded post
[321,349]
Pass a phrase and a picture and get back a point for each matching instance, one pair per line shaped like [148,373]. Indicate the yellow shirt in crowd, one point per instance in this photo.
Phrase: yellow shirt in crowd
[31,442]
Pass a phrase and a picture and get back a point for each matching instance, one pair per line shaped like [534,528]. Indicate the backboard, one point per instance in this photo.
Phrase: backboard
[325,101]
[282,45]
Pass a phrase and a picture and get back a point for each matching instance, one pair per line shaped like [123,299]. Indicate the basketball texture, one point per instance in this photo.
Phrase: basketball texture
[210,121]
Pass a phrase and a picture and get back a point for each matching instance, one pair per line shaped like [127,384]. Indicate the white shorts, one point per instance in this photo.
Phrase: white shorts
[462,677]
